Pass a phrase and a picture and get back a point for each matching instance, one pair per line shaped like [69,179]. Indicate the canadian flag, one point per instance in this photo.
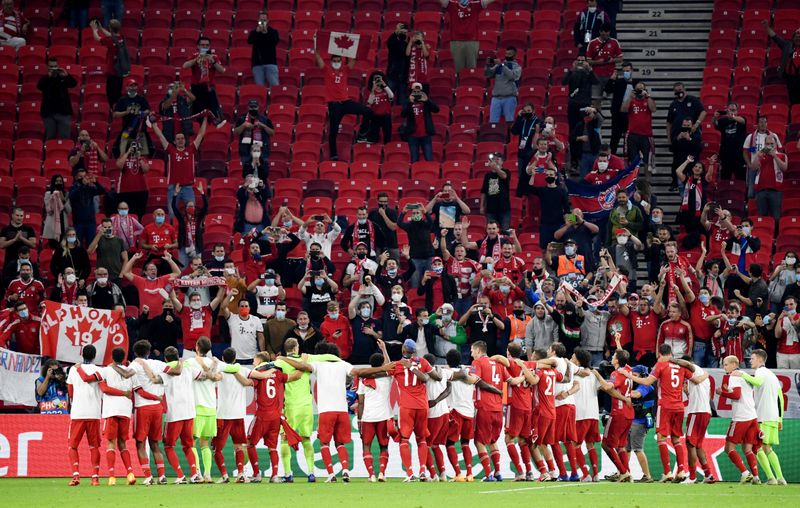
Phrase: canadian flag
[343,44]
[66,329]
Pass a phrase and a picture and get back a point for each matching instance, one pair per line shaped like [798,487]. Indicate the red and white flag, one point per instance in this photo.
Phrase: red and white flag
[343,44]
[67,328]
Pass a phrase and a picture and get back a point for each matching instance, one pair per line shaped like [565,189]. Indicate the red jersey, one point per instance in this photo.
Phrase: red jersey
[604,51]
[624,386]
[596,177]
[671,331]
[537,165]
[413,394]
[640,118]
[132,179]
[180,165]
[344,340]
[417,65]
[645,332]
[621,324]
[204,72]
[464,19]
[336,83]
[111,54]
[32,293]
[717,236]
[703,331]
[730,342]
[502,304]
[546,391]
[26,334]
[510,267]
[382,104]
[785,345]
[670,384]
[195,324]
[494,374]
[521,396]
[418,109]
[152,292]
[269,396]
[159,236]
[463,272]
[769,176]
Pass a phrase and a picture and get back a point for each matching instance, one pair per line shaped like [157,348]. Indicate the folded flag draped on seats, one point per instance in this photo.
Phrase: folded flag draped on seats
[597,201]
[346,45]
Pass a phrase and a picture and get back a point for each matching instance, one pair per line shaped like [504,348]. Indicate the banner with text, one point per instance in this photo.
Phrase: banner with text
[67,328]
[18,374]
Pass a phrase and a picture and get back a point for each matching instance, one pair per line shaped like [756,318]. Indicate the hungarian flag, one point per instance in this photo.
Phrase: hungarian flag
[597,201]
[343,44]
[67,328]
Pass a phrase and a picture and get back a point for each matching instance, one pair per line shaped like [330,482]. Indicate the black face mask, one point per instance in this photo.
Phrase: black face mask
[538,271]
[361,255]
[528,115]
[315,255]
[680,95]
[509,59]
[253,112]
[550,179]
[519,313]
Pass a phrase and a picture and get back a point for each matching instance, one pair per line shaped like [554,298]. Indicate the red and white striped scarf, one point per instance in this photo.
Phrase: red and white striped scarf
[496,249]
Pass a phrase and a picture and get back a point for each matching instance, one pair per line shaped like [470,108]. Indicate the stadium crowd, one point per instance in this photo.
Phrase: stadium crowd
[420,296]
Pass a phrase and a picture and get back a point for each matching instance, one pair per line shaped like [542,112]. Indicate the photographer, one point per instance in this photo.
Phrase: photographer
[133,109]
[177,106]
[252,197]
[685,144]
[579,80]
[446,209]
[397,66]
[733,128]
[418,127]
[639,107]
[264,40]
[527,126]
[52,395]
[380,102]
[482,324]
[56,107]
[495,201]
[87,155]
[585,140]
[504,93]
[132,182]
[318,289]
[770,165]
[205,65]
[82,201]
[418,53]
[254,130]
[437,285]
[191,224]
[418,230]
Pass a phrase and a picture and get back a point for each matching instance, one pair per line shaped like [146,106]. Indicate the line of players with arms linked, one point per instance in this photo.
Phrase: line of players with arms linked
[552,412]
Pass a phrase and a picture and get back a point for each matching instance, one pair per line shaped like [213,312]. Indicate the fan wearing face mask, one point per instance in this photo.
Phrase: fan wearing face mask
[606,166]
[464,22]
[151,286]
[67,287]
[624,254]
[337,330]
[195,317]
[205,65]
[25,289]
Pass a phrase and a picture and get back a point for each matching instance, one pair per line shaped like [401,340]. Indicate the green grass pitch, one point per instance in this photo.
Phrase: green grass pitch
[54,492]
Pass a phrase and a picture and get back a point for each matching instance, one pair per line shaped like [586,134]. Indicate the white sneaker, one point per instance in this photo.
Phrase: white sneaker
[772,481]
[443,477]
[181,481]
[435,478]
[410,479]
[256,478]
[756,480]
[197,478]
[781,481]
[746,477]
[666,478]
[225,479]
[207,478]
[381,477]
[276,479]
[372,479]
[162,480]
[242,479]
[148,481]
[331,479]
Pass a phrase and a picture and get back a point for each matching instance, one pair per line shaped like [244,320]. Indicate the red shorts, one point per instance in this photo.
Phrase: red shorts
[77,428]
[268,429]
[147,423]
[414,420]
[616,432]
[336,425]
[588,431]
[117,427]
[744,433]
[372,430]
[565,424]
[234,428]
[696,426]
[669,422]
[183,429]
[545,430]
[437,430]
[488,425]
[518,423]
[462,428]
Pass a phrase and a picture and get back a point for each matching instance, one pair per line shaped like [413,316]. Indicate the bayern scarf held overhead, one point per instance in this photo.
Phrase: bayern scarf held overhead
[610,289]
[597,201]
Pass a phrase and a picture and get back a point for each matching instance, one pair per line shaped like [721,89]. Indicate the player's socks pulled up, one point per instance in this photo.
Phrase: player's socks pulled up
[737,461]
[763,462]
[775,463]
[484,458]
[663,451]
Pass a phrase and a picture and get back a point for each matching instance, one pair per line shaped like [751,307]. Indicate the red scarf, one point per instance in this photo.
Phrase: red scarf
[191,228]
[417,65]
[68,293]
[91,161]
[693,183]
[683,264]
[496,250]
[16,19]
[370,234]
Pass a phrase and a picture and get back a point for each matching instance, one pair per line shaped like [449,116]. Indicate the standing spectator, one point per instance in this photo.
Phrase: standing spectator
[176,110]
[418,52]
[126,227]
[56,106]
[104,294]
[495,192]
[264,40]
[757,299]
[787,325]
[419,239]
[339,101]
[611,8]
[753,144]
[360,268]
[507,74]
[603,54]
[23,327]
[118,62]
[379,100]
[527,126]
[158,238]
[419,127]
[191,224]
[276,328]
[254,130]
[111,252]
[205,65]
[366,330]
[321,236]
[67,287]
[13,25]
[683,107]
[463,270]
[438,286]
[783,276]
[16,235]
[247,331]
[363,231]
[770,165]
[384,217]
[554,204]
[132,185]
[81,200]
[337,330]
[252,214]
[133,108]
[582,232]
[180,164]
[585,140]
[685,144]
[587,25]
[112,10]
[605,168]
[25,289]
[318,289]
[695,196]
[789,68]
[580,80]
[624,216]
[733,128]
[446,209]
[152,288]
[620,88]
[70,254]
[464,18]
[52,393]
[640,107]
[87,155]
[57,211]
[397,61]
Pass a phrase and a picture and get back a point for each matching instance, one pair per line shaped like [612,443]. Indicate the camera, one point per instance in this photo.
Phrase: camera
[722,112]
[416,96]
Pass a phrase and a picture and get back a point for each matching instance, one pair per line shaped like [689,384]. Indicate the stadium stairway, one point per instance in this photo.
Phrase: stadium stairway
[666,42]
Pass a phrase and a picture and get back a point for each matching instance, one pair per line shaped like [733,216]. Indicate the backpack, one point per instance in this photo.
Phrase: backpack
[122,62]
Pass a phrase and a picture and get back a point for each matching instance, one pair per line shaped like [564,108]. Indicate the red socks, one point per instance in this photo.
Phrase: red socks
[558,456]
[384,460]
[94,454]
[681,454]
[405,456]
[422,453]
[172,458]
[752,462]
[326,458]
[126,460]
[111,458]
[273,459]
[495,455]
[452,456]
[187,451]
[160,469]
[484,458]
[593,459]
[239,457]
[737,461]
[573,463]
[623,460]
[368,462]
[219,460]
[437,453]
[614,456]
[73,459]
[514,455]
[466,451]
[252,454]
[663,451]
[525,453]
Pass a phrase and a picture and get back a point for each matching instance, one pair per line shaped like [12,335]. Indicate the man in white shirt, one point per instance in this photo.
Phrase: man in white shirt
[698,415]
[461,401]
[769,407]
[321,235]
[231,410]
[566,431]
[438,417]
[247,332]
[205,401]
[375,417]
[587,414]
[117,388]
[147,400]
[743,429]
[85,414]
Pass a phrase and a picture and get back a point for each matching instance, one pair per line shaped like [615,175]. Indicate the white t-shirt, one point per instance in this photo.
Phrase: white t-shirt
[325,239]
[180,394]
[331,385]
[205,390]
[377,407]
[699,395]
[142,380]
[87,398]
[563,366]
[767,396]
[462,396]
[434,389]
[267,297]
[231,395]
[744,409]
[116,405]
[586,406]
[244,336]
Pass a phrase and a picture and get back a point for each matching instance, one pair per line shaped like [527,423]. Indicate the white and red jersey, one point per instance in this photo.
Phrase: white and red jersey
[586,405]
[789,342]
[232,396]
[462,396]
[179,392]
[331,382]
[377,404]
[142,380]
[435,388]
[87,399]
[699,394]
[464,272]
[117,405]
[743,409]
[567,369]
[537,166]
[678,334]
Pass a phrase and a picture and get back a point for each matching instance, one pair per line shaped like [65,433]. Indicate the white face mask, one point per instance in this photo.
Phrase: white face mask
[365,312]
[230,271]
[71,278]
[569,251]
[790,261]
[602,165]
[622,240]
[548,126]
[336,65]
[397,297]
[656,219]
[196,305]
[746,230]
[302,327]
[102,281]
